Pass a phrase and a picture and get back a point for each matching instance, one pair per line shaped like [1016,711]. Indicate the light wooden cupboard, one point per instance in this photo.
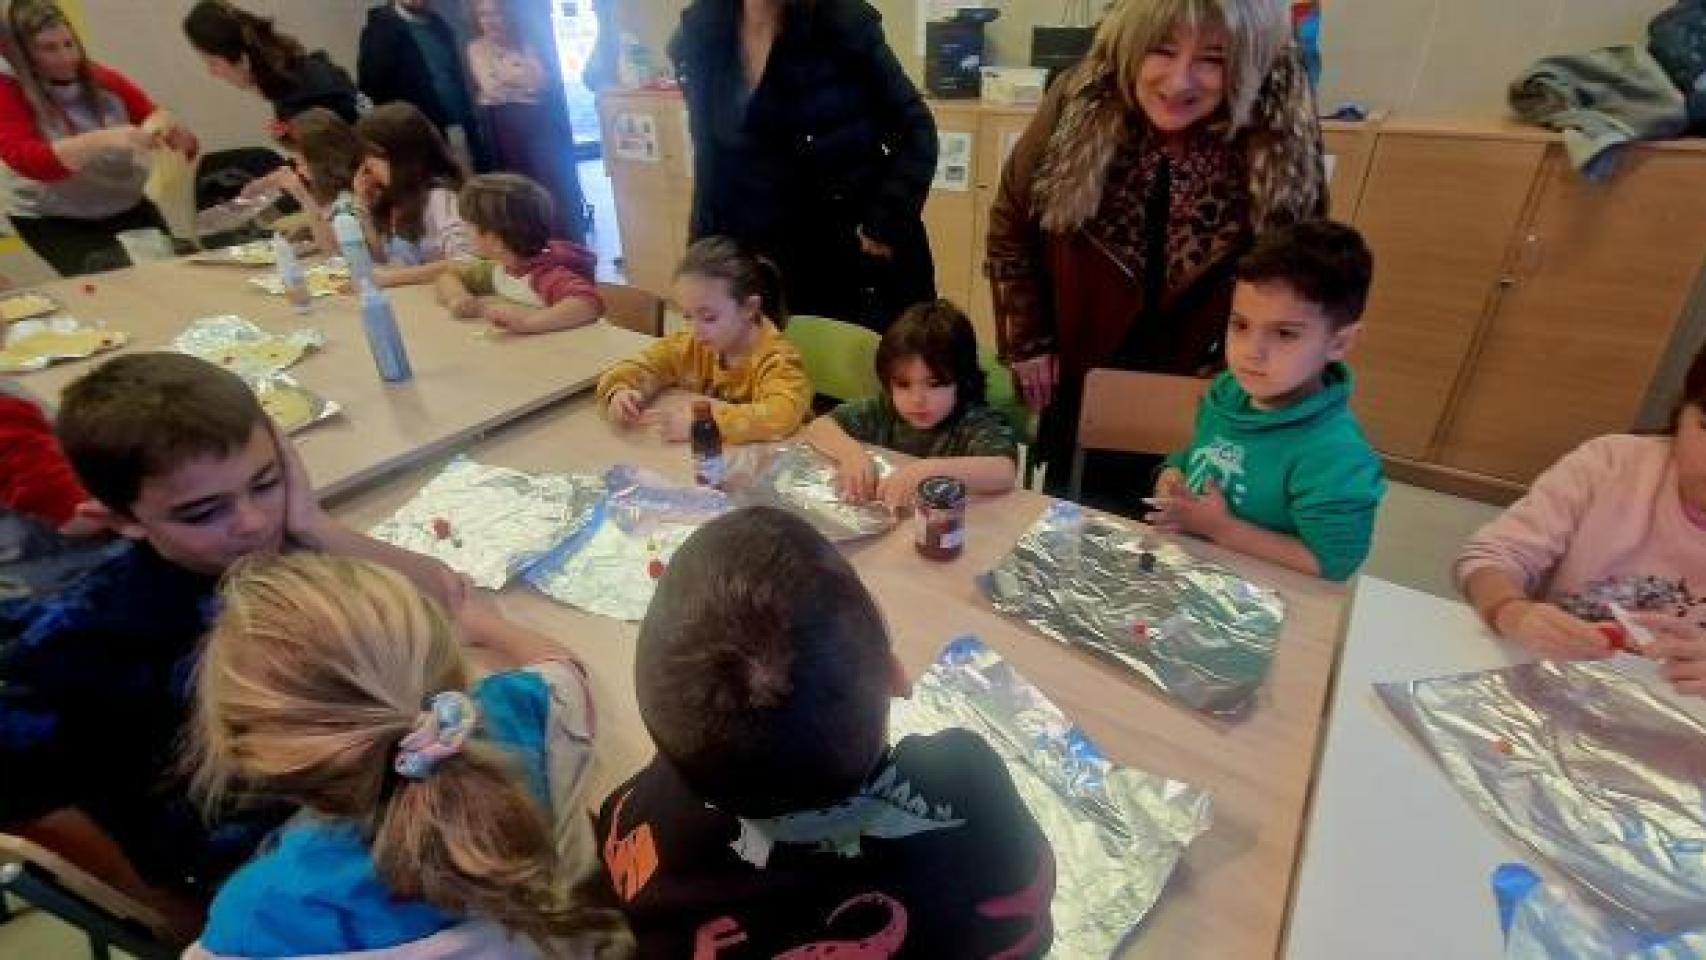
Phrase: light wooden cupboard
[1517,310]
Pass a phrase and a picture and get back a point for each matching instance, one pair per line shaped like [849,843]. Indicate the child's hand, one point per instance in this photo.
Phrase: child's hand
[900,488]
[673,424]
[1170,483]
[304,518]
[465,307]
[1679,647]
[1204,514]
[856,478]
[509,317]
[1550,632]
[626,407]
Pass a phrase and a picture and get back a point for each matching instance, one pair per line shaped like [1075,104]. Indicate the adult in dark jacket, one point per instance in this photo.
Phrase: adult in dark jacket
[812,147]
[409,53]
[250,53]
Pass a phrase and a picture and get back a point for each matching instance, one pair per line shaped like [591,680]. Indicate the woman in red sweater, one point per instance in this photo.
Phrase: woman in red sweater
[75,139]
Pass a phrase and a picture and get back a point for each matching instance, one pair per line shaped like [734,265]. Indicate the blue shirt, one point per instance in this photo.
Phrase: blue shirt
[315,890]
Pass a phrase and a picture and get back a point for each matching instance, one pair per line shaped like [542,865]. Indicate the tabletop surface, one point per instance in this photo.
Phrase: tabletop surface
[1228,899]
[1396,863]
[466,380]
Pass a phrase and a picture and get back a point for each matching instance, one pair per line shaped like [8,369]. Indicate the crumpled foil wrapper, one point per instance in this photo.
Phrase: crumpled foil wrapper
[491,522]
[1198,631]
[1603,780]
[19,355]
[1117,833]
[243,348]
[291,405]
[255,253]
[797,478]
[324,279]
[18,305]
[611,567]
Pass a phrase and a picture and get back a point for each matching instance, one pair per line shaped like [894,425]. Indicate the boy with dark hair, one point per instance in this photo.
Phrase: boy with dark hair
[94,678]
[524,281]
[1279,468]
[775,816]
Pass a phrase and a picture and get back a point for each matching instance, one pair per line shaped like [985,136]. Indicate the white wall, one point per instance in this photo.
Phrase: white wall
[144,39]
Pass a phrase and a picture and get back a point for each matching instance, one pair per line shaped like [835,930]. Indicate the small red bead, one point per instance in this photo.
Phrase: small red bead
[655,569]
[441,528]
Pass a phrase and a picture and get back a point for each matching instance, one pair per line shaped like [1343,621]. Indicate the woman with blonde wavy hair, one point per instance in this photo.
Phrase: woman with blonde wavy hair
[425,827]
[1147,171]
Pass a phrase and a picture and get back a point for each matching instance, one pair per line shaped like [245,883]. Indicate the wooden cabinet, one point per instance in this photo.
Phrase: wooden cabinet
[1438,212]
[1597,276]
[1517,310]
[648,156]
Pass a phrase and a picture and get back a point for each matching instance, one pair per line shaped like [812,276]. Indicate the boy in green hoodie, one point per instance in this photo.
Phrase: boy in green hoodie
[1278,468]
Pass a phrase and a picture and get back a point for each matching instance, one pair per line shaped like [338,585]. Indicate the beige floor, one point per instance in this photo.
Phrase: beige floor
[1417,536]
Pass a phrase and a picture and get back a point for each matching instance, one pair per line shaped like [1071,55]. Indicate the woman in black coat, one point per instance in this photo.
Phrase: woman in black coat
[812,147]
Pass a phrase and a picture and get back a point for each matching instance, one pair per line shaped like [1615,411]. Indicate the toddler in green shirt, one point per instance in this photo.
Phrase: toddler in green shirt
[1279,468]
[932,408]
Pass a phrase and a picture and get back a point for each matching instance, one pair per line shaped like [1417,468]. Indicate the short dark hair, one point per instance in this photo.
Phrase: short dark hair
[763,667]
[1322,261]
[510,205]
[1693,390]
[938,333]
[142,415]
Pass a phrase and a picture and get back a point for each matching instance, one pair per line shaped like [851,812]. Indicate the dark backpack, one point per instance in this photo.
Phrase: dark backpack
[1677,40]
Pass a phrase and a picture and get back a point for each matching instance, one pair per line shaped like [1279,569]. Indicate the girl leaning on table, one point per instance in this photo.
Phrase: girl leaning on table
[408,182]
[1619,522]
[733,352]
[323,155]
[439,816]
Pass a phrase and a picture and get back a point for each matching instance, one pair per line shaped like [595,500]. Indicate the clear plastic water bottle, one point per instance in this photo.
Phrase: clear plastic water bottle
[291,275]
[383,337]
[352,245]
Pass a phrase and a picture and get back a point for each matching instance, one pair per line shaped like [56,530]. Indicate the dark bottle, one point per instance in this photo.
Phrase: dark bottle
[707,443]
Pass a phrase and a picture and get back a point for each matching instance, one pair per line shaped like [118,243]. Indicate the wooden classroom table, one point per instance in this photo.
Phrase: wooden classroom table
[466,381]
[1228,898]
[1396,863]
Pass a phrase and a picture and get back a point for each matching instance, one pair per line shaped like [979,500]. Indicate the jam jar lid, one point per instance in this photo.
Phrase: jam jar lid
[941,492]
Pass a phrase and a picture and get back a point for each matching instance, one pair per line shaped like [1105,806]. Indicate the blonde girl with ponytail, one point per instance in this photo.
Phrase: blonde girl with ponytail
[439,817]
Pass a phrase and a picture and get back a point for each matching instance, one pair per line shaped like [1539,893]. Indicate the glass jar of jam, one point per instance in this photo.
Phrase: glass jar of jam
[941,521]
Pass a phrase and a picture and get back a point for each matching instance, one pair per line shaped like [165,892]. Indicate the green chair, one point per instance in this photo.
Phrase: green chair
[1003,396]
[839,357]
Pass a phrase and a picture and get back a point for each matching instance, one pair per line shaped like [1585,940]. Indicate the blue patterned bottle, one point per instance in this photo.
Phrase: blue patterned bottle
[383,337]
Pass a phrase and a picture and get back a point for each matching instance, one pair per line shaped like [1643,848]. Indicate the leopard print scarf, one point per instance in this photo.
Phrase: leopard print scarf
[1281,149]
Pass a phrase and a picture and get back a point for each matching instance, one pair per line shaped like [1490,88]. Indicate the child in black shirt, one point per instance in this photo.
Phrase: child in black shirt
[775,819]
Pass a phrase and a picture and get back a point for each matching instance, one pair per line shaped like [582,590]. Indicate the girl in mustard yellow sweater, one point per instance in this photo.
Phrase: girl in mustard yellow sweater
[732,353]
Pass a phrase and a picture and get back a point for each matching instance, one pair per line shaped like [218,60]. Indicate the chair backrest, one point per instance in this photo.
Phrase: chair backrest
[71,879]
[632,308]
[840,358]
[1138,412]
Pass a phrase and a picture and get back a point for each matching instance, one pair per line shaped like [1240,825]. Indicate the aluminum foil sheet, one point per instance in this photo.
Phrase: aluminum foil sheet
[612,567]
[1603,780]
[1198,631]
[1546,921]
[33,344]
[491,522]
[245,349]
[236,213]
[255,253]
[25,304]
[797,478]
[324,279]
[1117,833]
[293,406]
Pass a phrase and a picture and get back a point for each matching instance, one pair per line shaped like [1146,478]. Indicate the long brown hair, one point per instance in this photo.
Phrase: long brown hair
[316,669]
[221,29]
[420,162]
[748,274]
[28,19]
[330,149]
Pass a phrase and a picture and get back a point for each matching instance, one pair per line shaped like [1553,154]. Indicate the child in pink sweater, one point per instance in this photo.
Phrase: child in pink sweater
[1621,519]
